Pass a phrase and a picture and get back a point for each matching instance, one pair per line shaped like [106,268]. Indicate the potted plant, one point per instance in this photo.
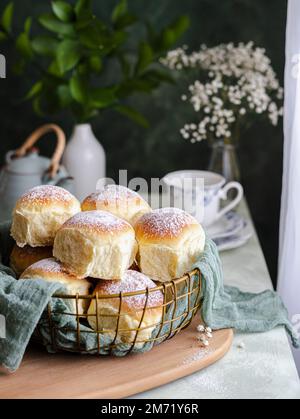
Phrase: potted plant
[69,54]
[235,85]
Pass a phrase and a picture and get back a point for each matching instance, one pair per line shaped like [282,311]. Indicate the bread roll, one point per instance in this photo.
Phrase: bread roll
[118,200]
[131,310]
[96,244]
[22,258]
[39,214]
[170,243]
[52,270]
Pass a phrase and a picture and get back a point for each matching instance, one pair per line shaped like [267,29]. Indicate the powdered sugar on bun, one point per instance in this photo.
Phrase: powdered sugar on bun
[40,213]
[49,265]
[170,243]
[97,220]
[117,200]
[165,222]
[46,193]
[96,244]
[133,281]
[51,270]
[112,193]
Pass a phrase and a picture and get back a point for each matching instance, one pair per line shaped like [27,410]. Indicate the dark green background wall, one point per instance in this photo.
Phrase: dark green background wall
[160,149]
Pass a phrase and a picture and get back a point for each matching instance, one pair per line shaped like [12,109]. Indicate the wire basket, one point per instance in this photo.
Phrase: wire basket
[65,327]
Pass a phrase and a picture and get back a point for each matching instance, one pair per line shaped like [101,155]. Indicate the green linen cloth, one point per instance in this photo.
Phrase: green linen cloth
[228,307]
[23,304]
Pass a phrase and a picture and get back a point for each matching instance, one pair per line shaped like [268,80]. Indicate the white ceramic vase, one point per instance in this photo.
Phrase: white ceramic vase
[85,160]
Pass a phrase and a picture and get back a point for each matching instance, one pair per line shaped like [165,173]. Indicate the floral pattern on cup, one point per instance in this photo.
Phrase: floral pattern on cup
[204,198]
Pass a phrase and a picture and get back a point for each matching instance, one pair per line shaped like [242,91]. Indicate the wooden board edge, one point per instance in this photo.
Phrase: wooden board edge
[181,371]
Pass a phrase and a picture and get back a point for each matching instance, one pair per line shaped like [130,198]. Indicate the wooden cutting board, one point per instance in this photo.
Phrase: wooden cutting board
[89,377]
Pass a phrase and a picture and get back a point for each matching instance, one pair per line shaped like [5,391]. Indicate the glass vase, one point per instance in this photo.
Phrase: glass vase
[224,161]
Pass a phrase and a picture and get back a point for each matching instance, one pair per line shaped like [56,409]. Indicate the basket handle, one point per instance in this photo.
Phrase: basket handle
[36,135]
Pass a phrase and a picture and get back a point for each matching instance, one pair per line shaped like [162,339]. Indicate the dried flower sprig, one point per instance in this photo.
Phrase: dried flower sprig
[235,83]
[205,334]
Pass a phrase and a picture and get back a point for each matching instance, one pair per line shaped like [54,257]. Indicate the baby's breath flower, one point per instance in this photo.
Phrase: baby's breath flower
[239,81]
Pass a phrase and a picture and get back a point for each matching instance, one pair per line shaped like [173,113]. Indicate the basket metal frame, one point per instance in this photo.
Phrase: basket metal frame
[168,288]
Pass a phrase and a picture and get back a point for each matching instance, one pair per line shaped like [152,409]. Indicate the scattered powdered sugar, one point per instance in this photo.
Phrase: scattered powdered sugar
[133,281]
[47,193]
[215,384]
[49,265]
[113,193]
[263,370]
[100,220]
[197,356]
[165,221]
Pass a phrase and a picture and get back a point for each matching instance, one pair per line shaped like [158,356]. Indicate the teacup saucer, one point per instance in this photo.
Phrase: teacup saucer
[230,224]
[236,240]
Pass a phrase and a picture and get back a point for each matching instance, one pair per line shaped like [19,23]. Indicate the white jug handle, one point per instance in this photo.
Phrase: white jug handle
[223,193]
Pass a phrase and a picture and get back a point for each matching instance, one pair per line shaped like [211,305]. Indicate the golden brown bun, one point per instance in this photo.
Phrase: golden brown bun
[39,214]
[96,244]
[52,270]
[118,200]
[131,311]
[170,243]
[22,258]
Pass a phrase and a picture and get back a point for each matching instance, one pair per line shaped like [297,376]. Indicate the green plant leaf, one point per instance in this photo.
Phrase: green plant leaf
[103,97]
[168,39]
[146,57]
[45,45]
[133,115]
[89,38]
[171,34]
[7,16]
[82,113]
[78,89]
[3,36]
[23,45]
[118,38]
[68,55]
[50,22]
[180,26]
[64,96]
[95,63]
[83,9]
[125,65]
[80,42]
[95,36]
[83,69]
[119,11]
[34,91]
[63,10]
[54,69]
[126,20]
[37,106]
[27,25]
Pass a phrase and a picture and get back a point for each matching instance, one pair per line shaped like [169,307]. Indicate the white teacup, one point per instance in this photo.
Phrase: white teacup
[201,192]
